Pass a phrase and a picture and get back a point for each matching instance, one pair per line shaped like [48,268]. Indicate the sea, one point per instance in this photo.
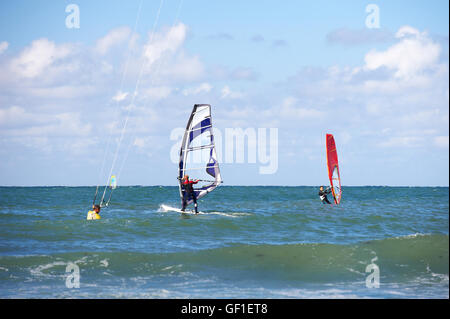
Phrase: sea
[246,242]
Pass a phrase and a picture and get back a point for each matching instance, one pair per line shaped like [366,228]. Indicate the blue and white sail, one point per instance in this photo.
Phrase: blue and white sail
[198,157]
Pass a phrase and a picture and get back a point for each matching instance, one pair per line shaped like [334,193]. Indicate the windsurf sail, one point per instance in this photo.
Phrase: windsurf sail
[198,157]
[113,182]
[112,186]
[333,169]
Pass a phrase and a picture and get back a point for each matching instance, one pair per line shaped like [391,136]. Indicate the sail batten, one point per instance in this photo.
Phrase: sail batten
[196,129]
[196,168]
[197,148]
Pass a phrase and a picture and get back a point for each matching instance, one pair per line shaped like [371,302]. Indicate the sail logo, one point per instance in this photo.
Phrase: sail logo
[73,277]
[237,145]
[373,279]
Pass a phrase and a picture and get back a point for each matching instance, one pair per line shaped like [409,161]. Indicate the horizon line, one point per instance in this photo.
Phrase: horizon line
[160,185]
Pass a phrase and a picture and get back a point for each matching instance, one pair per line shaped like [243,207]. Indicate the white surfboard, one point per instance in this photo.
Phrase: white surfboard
[166,208]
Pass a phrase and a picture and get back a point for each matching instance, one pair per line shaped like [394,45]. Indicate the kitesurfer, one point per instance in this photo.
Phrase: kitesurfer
[95,213]
[188,191]
[323,194]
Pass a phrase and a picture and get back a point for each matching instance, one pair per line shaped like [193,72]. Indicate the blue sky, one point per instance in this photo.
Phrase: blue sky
[305,67]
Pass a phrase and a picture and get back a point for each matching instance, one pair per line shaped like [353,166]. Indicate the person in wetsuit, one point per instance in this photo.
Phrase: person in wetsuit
[323,194]
[94,213]
[188,191]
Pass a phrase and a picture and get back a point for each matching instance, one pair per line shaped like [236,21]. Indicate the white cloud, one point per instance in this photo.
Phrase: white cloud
[165,43]
[38,57]
[13,116]
[3,46]
[402,141]
[158,93]
[202,88]
[227,93]
[420,118]
[42,144]
[120,96]
[106,68]
[402,88]
[71,112]
[408,31]
[235,74]
[139,142]
[182,68]
[17,121]
[80,146]
[290,109]
[414,53]
[46,132]
[62,92]
[113,38]
[165,60]
[350,37]
[148,145]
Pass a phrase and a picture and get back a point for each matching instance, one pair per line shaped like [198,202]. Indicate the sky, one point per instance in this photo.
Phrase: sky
[108,87]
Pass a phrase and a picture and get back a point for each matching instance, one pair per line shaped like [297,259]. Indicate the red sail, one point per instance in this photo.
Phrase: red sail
[333,168]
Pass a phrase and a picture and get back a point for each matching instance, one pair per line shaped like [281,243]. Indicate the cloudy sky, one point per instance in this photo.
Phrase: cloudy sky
[125,81]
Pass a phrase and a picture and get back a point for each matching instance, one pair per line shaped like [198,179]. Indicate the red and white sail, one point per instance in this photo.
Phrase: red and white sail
[333,169]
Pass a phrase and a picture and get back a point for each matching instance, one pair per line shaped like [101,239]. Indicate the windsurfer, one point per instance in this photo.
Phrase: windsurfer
[188,191]
[323,194]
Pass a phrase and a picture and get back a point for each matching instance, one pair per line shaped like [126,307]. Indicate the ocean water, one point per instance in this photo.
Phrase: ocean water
[248,242]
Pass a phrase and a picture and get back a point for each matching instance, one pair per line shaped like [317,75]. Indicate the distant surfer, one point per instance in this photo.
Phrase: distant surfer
[188,192]
[323,194]
[94,214]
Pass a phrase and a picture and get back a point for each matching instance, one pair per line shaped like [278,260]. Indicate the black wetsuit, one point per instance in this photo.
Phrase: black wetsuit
[323,196]
[188,191]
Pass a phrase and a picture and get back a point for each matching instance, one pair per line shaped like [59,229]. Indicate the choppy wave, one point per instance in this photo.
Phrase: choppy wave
[248,242]
[416,259]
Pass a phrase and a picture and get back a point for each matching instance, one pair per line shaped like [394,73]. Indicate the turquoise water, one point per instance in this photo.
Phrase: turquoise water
[248,242]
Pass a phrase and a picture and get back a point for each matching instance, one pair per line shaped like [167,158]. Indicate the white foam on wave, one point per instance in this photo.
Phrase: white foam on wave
[104,263]
[411,236]
[355,271]
[442,277]
[39,270]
